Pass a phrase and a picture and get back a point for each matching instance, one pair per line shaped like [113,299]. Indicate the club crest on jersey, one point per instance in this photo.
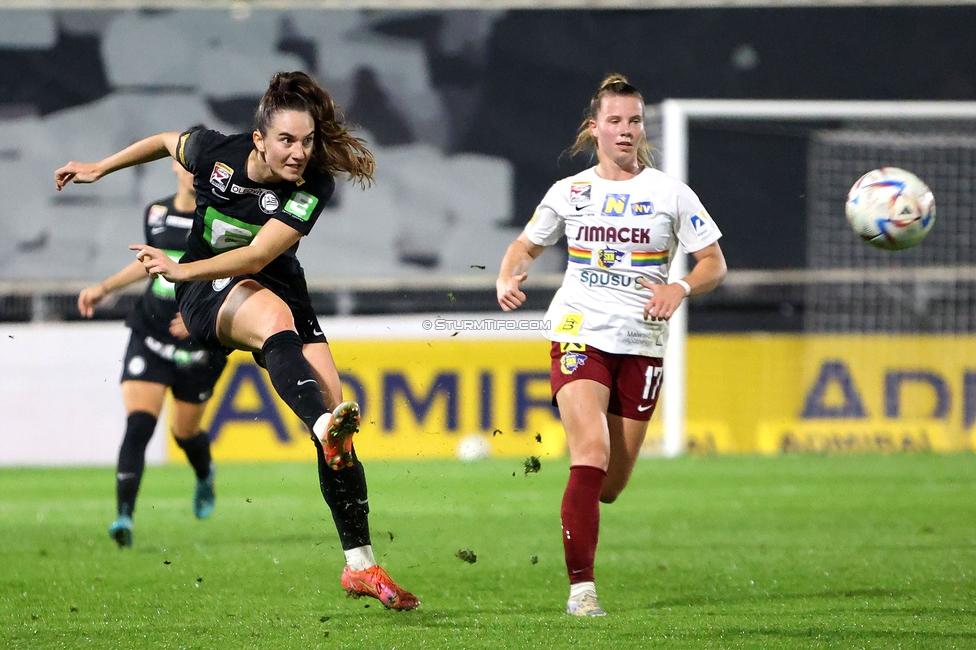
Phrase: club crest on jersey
[157,214]
[269,202]
[607,257]
[642,208]
[615,205]
[579,193]
[220,176]
[571,361]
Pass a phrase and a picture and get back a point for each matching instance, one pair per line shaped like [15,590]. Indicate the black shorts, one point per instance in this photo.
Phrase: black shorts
[199,303]
[190,375]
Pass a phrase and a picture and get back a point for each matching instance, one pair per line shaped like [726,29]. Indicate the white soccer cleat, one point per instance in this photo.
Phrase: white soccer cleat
[585,605]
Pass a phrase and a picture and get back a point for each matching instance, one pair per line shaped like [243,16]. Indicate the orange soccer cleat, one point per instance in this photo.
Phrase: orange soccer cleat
[377,583]
[337,441]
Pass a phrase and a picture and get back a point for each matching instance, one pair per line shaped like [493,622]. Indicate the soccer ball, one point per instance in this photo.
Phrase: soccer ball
[890,208]
[472,447]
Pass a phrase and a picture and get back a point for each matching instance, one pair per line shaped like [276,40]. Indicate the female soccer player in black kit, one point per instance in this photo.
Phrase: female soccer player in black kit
[240,284]
[160,355]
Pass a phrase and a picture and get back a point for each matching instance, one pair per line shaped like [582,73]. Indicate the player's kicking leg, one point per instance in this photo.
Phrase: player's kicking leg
[344,489]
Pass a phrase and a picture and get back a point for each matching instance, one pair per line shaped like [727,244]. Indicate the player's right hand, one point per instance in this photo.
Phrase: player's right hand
[89,298]
[156,262]
[510,296]
[76,172]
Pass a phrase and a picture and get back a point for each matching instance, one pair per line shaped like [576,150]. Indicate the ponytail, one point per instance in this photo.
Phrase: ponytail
[615,85]
[335,151]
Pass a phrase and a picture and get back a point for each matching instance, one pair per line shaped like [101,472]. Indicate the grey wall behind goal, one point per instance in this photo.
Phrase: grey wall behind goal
[469,113]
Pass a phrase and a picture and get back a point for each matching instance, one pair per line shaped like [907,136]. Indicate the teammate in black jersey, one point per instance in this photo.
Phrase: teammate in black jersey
[240,284]
[161,355]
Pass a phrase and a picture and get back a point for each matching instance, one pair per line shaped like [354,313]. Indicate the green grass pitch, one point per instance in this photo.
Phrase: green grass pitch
[720,552]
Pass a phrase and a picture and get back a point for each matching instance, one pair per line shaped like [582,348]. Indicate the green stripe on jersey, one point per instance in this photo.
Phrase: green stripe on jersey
[162,287]
[225,233]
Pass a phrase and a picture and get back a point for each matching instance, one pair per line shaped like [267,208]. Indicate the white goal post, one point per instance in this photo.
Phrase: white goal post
[676,115]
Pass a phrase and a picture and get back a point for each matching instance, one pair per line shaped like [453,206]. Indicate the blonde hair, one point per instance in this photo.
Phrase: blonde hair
[615,85]
[336,150]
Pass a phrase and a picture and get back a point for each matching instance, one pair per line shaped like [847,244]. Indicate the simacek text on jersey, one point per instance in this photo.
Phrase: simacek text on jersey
[486,324]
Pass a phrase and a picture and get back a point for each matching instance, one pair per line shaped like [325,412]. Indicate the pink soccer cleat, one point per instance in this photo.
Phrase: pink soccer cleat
[337,440]
[377,583]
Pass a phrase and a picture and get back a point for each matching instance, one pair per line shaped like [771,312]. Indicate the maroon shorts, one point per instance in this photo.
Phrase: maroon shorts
[634,381]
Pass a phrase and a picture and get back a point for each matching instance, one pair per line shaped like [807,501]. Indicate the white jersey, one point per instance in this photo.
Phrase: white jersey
[617,232]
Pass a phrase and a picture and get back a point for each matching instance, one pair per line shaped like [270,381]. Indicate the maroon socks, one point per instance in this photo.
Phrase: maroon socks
[580,514]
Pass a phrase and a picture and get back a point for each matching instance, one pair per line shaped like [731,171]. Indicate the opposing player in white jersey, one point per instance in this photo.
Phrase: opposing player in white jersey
[624,222]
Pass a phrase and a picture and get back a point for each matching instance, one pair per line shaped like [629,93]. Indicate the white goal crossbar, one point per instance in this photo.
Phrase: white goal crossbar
[676,115]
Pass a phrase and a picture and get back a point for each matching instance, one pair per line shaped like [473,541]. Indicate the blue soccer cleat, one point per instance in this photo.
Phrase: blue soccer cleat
[204,496]
[121,531]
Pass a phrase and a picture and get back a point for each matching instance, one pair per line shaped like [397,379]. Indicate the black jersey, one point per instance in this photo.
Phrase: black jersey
[166,228]
[231,208]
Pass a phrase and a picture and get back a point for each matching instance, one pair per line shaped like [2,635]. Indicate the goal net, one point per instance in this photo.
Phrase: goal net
[906,317]
[902,298]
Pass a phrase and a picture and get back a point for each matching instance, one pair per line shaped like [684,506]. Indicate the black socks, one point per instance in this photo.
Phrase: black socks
[132,459]
[292,376]
[345,493]
[344,490]
[197,451]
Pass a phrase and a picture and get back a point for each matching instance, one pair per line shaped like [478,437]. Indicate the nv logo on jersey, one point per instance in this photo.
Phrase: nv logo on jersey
[642,208]
[615,204]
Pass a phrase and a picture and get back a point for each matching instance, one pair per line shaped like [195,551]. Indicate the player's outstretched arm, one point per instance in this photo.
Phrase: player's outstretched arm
[91,296]
[514,271]
[274,238]
[152,148]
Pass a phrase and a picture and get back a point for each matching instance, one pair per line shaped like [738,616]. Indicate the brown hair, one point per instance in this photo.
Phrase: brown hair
[335,150]
[614,85]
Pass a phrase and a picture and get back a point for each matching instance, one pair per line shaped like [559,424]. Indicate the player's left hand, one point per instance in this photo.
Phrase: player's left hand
[665,300]
[178,328]
[89,298]
[156,262]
